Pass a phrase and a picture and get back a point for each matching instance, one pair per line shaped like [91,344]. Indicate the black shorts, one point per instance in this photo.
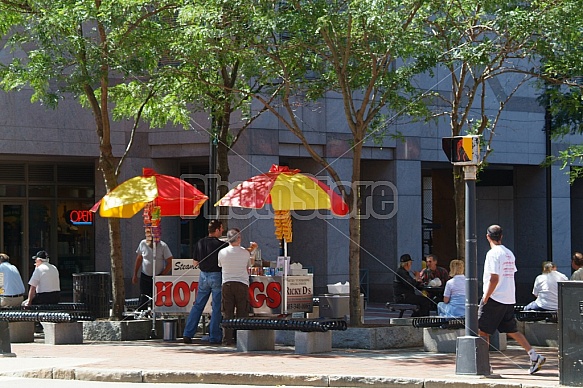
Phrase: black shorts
[47,298]
[494,316]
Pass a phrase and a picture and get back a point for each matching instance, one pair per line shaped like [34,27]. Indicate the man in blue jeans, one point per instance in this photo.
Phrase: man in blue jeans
[205,256]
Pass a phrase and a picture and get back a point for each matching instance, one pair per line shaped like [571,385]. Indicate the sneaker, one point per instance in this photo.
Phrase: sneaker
[536,365]
[187,340]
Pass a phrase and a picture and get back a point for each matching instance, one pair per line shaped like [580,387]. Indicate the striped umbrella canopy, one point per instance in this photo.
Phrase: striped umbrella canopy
[173,196]
[284,189]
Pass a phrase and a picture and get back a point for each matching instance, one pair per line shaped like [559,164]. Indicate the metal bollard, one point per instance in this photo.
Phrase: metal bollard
[5,349]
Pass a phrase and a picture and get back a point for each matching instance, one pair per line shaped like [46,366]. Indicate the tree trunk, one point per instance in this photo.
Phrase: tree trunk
[354,245]
[223,171]
[117,273]
[459,187]
[107,167]
[354,272]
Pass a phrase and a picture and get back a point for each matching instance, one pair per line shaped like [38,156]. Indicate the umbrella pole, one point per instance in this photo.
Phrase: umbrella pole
[284,248]
[285,273]
[153,332]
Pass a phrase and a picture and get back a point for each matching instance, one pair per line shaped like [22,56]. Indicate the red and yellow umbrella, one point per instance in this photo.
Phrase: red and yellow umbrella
[173,196]
[285,190]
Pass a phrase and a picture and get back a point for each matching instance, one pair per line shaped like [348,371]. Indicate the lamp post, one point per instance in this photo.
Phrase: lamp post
[472,357]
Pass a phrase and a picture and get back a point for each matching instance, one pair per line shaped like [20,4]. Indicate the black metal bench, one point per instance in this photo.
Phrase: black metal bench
[439,322]
[402,307]
[55,313]
[535,316]
[68,314]
[311,335]
[305,325]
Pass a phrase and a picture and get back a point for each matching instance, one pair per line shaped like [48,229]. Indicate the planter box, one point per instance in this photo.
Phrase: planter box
[21,332]
[540,333]
[130,330]
[374,338]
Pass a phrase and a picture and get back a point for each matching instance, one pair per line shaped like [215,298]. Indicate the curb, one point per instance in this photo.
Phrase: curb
[260,379]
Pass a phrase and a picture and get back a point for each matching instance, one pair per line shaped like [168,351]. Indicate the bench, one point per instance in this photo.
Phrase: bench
[440,334]
[539,327]
[61,322]
[311,335]
[536,316]
[402,307]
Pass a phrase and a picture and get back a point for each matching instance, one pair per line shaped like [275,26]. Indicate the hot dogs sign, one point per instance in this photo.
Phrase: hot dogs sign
[177,293]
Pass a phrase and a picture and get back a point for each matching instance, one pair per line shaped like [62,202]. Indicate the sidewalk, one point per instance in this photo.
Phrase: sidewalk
[174,362]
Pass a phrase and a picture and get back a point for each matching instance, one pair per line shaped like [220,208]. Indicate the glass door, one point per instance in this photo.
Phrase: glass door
[12,235]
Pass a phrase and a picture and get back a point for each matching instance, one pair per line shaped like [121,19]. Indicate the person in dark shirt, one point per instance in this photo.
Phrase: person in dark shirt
[428,276]
[405,285]
[434,271]
[206,257]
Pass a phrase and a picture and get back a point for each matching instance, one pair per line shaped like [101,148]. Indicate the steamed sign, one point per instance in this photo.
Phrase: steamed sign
[176,293]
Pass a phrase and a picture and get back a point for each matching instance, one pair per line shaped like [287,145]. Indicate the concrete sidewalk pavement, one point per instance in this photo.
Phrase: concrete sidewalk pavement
[174,362]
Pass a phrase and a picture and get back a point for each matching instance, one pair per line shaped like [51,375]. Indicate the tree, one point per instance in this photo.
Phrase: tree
[361,50]
[93,52]
[562,82]
[210,70]
[477,42]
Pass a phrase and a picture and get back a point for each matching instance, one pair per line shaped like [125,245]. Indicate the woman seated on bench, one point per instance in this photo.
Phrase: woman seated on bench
[404,287]
[454,296]
[546,289]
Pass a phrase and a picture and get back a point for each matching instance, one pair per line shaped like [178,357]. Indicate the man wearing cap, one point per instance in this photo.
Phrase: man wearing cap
[45,287]
[13,286]
[496,311]
[404,287]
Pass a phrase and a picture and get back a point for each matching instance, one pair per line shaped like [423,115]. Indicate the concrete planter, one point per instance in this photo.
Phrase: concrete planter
[129,330]
[374,338]
[540,333]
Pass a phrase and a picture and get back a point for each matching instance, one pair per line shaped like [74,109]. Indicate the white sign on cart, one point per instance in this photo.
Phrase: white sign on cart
[176,293]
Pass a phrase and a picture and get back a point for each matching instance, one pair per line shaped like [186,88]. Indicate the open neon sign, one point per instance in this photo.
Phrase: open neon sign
[81,217]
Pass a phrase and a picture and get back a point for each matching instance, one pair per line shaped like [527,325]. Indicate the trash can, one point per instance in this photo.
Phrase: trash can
[93,289]
[337,306]
[334,305]
[570,327]
[169,328]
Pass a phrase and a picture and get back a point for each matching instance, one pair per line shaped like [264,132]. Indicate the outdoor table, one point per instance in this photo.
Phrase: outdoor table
[434,293]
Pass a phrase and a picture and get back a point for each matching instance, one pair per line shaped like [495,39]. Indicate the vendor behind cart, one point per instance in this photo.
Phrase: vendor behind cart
[145,266]
[234,261]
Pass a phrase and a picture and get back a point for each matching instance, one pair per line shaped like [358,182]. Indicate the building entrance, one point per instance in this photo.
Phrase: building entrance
[12,229]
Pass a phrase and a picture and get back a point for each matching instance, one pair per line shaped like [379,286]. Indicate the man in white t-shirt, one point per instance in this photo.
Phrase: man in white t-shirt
[496,311]
[45,286]
[234,261]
